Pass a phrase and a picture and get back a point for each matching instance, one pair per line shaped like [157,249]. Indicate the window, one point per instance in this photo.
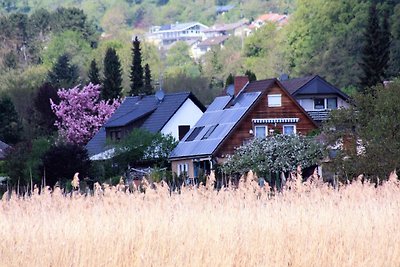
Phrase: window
[325,103]
[115,135]
[260,131]
[289,129]
[274,100]
[331,103]
[183,169]
[319,103]
[182,131]
[194,133]
[209,131]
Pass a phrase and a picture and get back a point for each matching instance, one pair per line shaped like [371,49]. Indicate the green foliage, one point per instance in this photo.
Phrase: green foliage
[93,75]
[62,161]
[250,75]
[148,88]
[178,60]
[10,124]
[375,53]
[63,74]
[368,132]
[277,153]
[136,75]
[24,160]
[112,83]
[44,115]
[141,147]
[70,43]
[229,80]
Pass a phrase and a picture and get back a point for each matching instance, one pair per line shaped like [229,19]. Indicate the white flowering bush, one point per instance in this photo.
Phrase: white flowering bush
[276,153]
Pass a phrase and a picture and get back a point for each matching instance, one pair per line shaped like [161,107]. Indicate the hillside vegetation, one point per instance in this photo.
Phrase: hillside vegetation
[144,13]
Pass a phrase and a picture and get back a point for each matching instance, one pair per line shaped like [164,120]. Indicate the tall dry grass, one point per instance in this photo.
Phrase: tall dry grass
[358,225]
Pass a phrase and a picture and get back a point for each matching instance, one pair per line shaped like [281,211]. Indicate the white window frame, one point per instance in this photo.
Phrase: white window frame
[182,168]
[273,99]
[289,125]
[325,103]
[260,126]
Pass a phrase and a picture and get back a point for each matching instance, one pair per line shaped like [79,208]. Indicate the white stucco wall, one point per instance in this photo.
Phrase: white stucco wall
[188,114]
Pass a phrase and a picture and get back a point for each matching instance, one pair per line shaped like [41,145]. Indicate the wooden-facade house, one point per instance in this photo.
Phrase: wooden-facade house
[250,110]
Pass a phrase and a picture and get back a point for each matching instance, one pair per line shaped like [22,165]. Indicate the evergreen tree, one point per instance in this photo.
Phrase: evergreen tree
[112,83]
[63,74]
[10,124]
[93,74]
[375,54]
[251,75]
[45,117]
[230,80]
[148,88]
[136,74]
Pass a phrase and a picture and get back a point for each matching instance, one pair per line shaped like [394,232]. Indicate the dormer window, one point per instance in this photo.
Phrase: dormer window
[274,100]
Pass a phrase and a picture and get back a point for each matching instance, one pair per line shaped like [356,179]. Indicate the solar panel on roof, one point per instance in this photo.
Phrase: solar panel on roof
[194,134]
[209,132]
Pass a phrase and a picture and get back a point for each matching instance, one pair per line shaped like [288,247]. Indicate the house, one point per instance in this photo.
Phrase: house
[168,34]
[3,148]
[279,19]
[250,110]
[316,95]
[233,29]
[174,114]
[203,47]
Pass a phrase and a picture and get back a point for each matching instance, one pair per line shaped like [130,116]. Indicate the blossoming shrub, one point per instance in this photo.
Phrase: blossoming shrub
[81,113]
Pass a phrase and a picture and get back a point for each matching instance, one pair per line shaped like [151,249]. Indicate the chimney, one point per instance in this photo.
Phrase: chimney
[239,83]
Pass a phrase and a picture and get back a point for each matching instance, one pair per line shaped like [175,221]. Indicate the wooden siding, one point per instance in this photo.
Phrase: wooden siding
[288,109]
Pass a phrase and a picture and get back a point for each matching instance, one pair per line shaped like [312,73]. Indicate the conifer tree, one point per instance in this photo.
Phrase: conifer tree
[136,74]
[93,74]
[10,124]
[375,53]
[230,80]
[112,83]
[251,75]
[63,74]
[148,88]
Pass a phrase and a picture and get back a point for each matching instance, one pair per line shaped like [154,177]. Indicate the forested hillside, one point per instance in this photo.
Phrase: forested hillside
[108,14]
[328,38]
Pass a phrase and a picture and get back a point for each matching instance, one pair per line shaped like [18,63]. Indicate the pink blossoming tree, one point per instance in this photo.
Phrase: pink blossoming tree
[80,113]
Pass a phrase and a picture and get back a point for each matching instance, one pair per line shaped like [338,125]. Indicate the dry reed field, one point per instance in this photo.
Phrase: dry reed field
[357,225]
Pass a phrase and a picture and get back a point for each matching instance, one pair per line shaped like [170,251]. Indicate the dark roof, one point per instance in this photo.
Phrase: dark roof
[214,41]
[154,113]
[258,86]
[3,148]
[311,85]
[214,126]
[294,84]
[221,9]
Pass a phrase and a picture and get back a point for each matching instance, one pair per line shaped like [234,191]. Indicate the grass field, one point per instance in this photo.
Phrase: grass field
[357,225]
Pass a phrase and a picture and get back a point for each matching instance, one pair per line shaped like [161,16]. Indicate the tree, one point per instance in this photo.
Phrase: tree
[375,53]
[80,114]
[148,88]
[136,74]
[274,154]
[230,80]
[62,161]
[250,75]
[368,134]
[93,74]
[112,82]
[63,74]
[46,118]
[142,147]
[10,124]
